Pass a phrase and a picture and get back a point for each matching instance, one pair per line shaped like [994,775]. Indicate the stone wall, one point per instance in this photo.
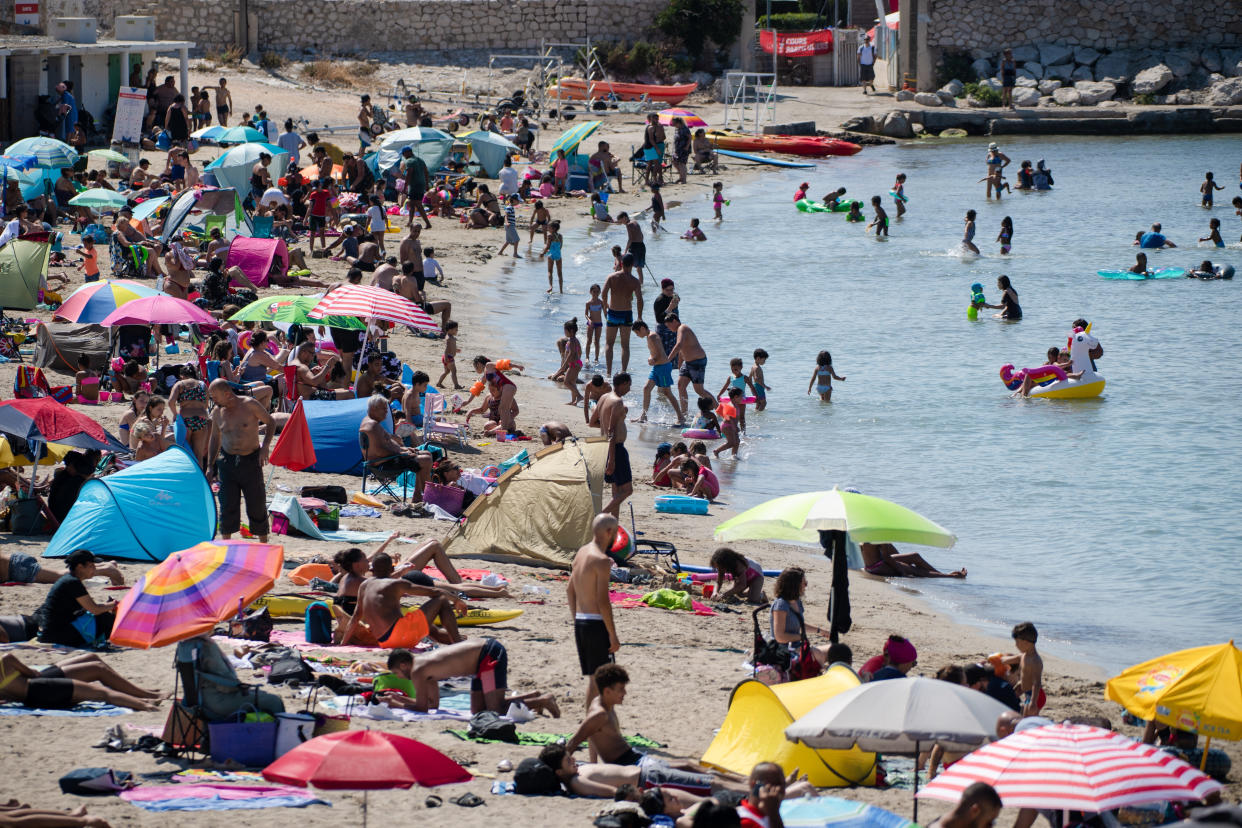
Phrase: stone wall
[362,26]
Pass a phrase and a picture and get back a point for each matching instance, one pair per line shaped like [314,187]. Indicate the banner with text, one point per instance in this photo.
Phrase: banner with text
[131,108]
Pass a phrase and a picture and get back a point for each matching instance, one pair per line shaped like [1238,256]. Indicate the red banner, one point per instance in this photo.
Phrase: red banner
[797,44]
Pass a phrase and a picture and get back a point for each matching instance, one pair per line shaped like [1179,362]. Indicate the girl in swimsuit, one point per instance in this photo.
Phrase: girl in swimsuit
[595,320]
[571,361]
[136,406]
[153,415]
[821,379]
[553,251]
[539,222]
[188,400]
[352,565]
[968,236]
[1006,235]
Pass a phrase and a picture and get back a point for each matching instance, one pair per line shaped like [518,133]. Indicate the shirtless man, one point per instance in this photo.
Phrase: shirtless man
[593,391]
[411,252]
[595,632]
[884,559]
[602,780]
[235,425]
[635,246]
[260,178]
[600,729]
[138,178]
[365,115]
[621,290]
[661,372]
[368,254]
[693,359]
[385,273]
[386,623]
[486,662]
[312,381]
[382,446]
[609,417]
[603,166]
[416,295]
[554,431]
[224,101]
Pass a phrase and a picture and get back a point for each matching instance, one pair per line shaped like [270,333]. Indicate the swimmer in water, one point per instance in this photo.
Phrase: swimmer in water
[1006,235]
[834,198]
[899,194]
[1207,189]
[1214,233]
[1009,307]
[880,222]
[821,379]
[855,213]
[968,238]
[694,233]
[1140,265]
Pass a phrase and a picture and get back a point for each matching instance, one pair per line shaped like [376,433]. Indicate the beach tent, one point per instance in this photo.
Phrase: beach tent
[431,145]
[232,169]
[333,426]
[255,257]
[541,512]
[754,731]
[23,264]
[59,345]
[192,205]
[489,149]
[142,513]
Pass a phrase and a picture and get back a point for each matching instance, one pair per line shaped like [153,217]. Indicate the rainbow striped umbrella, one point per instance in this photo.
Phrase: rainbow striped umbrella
[92,302]
[191,591]
[692,121]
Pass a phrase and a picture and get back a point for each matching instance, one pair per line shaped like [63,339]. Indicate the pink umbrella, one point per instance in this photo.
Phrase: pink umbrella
[158,310]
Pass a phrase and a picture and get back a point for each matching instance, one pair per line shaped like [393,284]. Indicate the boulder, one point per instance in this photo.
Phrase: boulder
[992,83]
[1025,54]
[904,95]
[1214,78]
[1210,59]
[1114,68]
[946,97]
[1085,55]
[896,125]
[927,99]
[1027,81]
[954,87]
[1025,96]
[1184,98]
[1092,92]
[1152,80]
[982,68]
[1047,87]
[1082,73]
[918,129]
[1180,64]
[1225,93]
[1035,68]
[975,103]
[1108,105]
[1066,96]
[1061,71]
[1053,53]
[864,123]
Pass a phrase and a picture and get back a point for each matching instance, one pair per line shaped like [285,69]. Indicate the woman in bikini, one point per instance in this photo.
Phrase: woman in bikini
[137,405]
[188,400]
[258,363]
[79,678]
[259,389]
[571,361]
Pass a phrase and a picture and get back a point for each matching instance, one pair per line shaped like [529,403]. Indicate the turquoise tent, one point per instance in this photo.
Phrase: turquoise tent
[489,149]
[142,513]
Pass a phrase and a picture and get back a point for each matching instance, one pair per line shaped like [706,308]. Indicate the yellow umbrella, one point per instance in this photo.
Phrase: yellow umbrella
[1199,689]
[55,454]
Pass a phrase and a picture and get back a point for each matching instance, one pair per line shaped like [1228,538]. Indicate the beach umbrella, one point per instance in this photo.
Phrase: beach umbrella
[692,121]
[366,302]
[17,162]
[99,198]
[834,812]
[109,155]
[159,310]
[901,716]
[52,454]
[146,209]
[294,449]
[191,591]
[1199,689]
[32,182]
[1073,767]
[42,420]
[364,760]
[92,302]
[48,153]
[572,137]
[212,133]
[293,310]
[240,135]
[489,148]
[430,144]
[232,168]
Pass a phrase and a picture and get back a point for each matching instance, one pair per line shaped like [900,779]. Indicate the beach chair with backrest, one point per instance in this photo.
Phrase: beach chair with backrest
[185,731]
[434,407]
[386,480]
[213,222]
[262,226]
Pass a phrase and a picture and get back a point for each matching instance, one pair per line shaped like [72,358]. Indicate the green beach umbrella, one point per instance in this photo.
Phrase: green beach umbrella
[108,155]
[99,198]
[572,137]
[867,519]
[293,309]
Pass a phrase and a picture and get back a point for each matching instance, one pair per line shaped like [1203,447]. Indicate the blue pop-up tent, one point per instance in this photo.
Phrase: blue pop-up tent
[333,426]
[142,513]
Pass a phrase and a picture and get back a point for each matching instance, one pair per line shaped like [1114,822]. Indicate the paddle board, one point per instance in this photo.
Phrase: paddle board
[1159,273]
[759,159]
[294,606]
[768,573]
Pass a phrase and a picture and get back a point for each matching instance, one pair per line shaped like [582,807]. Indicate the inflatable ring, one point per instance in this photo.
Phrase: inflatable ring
[805,205]
[700,434]
[745,400]
[491,472]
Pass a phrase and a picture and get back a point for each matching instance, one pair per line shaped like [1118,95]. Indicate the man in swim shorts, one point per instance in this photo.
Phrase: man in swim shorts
[382,621]
[661,376]
[20,568]
[79,678]
[235,425]
[609,418]
[634,244]
[622,291]
[595,632]
[486,661]
[693,360]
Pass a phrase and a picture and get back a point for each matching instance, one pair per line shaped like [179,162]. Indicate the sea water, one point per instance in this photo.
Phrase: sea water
[1111,523]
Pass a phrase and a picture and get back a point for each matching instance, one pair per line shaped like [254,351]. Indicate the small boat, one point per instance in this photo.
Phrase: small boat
[578,89]
[811,146]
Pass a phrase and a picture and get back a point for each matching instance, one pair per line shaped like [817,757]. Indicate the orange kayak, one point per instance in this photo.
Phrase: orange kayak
[811,146]
[578,89]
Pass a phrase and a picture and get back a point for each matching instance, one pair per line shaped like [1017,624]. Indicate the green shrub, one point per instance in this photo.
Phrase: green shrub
[694,22]
[1145,99]
[791,22]
[986,94]
[954,66]
[271,61]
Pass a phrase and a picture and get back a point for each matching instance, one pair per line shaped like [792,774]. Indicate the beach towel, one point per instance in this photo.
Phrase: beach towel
[382,712]
[466,574]
[541,739]
[196,775]
[630,600]
[211,796]
[84,709]
[668,599]
[360,511]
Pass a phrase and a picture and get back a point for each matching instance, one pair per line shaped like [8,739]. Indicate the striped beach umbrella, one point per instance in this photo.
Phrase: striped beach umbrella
[293,310]
[367,302]
[48,152]
[572,137]
[1074,767]
[90,303]
[191,591]
[692,121]
[159,310]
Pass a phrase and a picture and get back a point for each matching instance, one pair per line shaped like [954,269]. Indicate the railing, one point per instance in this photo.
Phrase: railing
[749,99]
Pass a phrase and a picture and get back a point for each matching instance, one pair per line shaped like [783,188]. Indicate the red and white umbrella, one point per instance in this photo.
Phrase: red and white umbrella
[368,302]
[1073,767]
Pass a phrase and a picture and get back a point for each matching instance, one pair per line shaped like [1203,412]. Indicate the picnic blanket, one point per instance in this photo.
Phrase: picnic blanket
[90,708]
[630,600]
[541,739]
[213,796]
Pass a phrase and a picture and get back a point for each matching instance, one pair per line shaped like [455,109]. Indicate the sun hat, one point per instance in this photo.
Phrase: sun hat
[900,651]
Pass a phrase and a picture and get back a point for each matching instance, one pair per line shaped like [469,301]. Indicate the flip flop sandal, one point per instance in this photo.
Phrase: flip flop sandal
[468,800]
[433,801]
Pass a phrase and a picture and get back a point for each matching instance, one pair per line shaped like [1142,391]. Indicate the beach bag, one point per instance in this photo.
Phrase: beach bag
[249,743]
[87,627]
[804,665]
[257,626]
[95,782]
[331,494]
[488,725]
[533,777]
[448,498]
[289,670]
[318,623]
[183,728]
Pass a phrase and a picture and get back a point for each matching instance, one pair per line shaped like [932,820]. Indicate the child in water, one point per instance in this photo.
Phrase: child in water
[1214,233]
[1207,188]
[756,379]
[730,427]
[968,238]
[657,208]
[706,421]
[977,300]
[718,200]
[899,194]
[1006,235]
[855,213]
[694,233]
[822,379]
[616,257]
[880,222]
[538,223]
[1140,265]
[553,251]
[571,361]
[834,198]
[599,210]
[741,382]
[595,320]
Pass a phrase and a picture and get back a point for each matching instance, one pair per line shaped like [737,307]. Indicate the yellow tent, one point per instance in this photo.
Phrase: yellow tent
[754,731]
[55,454]
[543,511]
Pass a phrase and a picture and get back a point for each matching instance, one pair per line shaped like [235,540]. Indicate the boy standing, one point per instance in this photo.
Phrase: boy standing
[90,259]
[319,199]
[1030,667]
[661,372]
[511,231]
[756,379]
[1208,187]
[880,222]
[657,208]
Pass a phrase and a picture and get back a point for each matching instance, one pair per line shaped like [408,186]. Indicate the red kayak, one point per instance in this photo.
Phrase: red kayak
[578,89]
[810,146]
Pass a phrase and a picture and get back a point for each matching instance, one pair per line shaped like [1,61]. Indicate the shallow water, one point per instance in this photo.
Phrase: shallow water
[1111,523]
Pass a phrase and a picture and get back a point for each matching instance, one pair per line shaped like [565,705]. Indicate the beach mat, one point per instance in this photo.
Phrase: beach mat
[209,796]
[541,739]
[632,600]
[83,710]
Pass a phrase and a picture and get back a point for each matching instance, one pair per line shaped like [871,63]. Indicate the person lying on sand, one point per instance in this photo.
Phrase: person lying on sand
[381,620]
[20,568]
[884,559]
[79,678]
[18,813]
[486,662]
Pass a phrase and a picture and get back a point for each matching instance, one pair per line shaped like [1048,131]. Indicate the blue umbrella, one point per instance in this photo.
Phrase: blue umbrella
[572,137]
[429,144]
[211,133]
[149,207]
[48,152]
[240,135]
[17,162]
[232,169]
[831,812]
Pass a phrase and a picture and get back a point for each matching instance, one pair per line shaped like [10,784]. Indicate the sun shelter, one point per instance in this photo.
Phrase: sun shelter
[142,513]
[255,258]
[333,427]
[489,149]
[59,345]
[431,145]
[23,264]
[192,205]
[541,512]
[754,731]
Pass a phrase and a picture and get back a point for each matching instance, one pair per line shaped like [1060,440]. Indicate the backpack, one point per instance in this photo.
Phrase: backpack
[332,494]
[257,626]
[488,725]
[290,670]
[765,652]
[95,782]
[318,623]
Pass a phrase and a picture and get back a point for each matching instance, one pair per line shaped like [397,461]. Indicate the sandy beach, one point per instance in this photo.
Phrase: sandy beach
[682,667]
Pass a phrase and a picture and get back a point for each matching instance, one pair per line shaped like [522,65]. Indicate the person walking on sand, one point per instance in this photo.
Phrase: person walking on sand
[235,425]
[622,293]
[365,114]
[595,632]
[609,418]
[416,174]
[866,64]
[693,360]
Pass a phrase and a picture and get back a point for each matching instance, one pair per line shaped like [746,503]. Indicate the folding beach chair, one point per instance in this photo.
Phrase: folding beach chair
[435,406]
[663,552]
[373,468]
[214,222]
[262,226]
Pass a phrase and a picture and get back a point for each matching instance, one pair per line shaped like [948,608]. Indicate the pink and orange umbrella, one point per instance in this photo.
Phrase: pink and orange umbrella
[191,591]
[692,121]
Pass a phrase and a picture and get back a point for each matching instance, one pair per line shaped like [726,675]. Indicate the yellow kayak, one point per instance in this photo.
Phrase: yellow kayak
[294,606]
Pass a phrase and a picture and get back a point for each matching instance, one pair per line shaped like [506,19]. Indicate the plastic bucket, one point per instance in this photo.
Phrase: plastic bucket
[292,729]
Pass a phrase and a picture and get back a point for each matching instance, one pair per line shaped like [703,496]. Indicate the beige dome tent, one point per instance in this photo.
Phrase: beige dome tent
[541,512]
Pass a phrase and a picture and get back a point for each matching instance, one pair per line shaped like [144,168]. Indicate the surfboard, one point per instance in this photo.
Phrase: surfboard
[758,159]
[767,573]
